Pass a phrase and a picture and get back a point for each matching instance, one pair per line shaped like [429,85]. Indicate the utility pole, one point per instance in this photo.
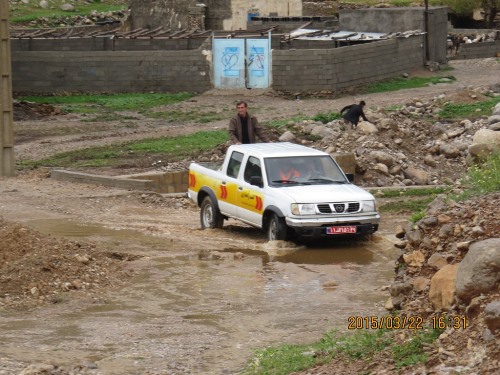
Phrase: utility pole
[426,27]
[6,111]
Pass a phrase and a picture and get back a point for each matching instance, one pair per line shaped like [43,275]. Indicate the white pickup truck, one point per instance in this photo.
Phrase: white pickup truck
[283,188]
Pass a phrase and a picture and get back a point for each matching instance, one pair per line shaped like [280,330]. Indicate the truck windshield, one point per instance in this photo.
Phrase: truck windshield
[303,170]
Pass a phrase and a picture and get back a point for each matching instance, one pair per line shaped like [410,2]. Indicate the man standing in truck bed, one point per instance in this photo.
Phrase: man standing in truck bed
[244,127]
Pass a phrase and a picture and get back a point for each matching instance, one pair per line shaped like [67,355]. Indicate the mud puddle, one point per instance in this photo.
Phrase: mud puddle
[198,311]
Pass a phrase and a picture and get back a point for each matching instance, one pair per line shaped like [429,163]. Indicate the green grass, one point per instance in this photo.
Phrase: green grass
[481,179]
[166,148]
[111,102]
[22,13]
[202,117]
[412,352]
[407,206]
[327,117]
[285,122]
[399,83]
[452,111]
[358,345]
[412,192]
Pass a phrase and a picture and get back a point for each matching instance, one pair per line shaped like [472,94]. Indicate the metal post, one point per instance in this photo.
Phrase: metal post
[6,111]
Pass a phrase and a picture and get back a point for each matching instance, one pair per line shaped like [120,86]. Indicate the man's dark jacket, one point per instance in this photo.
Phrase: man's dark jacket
[354,112]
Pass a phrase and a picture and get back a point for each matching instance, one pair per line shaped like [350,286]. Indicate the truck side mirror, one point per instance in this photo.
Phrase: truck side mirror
[257,181]
[350,177]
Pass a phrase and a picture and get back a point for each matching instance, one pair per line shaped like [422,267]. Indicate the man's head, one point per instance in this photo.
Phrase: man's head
[362,103]
[241,106]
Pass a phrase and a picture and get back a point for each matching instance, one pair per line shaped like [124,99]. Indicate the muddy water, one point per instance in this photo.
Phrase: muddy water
[202,311]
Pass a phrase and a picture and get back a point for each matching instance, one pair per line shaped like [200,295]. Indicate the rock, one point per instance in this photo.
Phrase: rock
[429,160]
[438,129]
[492,316]
[388,304]
[493,119]
[486,136]
[496,110]
[420,283]
[463,246]
[478,271]
[449,151]
[414,237]
[287,136]
[443,219]
[437,261]
[322,131]
[418,176]
[44,4]
[383,157]
[442,290]
[400,232]
[67,7]
[401,244]
[495,127]
[367,127]
[414,259]
[382,168]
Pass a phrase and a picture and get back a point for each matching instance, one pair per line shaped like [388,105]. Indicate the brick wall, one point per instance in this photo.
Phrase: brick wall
[331,69]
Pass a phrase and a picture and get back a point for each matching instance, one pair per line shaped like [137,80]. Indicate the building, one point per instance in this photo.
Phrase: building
[207,14]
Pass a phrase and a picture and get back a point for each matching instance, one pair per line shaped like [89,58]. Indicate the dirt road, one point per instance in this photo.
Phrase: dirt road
[175,299]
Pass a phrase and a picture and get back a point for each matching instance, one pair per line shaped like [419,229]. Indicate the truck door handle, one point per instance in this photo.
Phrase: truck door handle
[240,188]
[223,183]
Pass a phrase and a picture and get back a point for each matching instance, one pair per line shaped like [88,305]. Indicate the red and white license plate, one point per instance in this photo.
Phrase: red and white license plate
[341,230]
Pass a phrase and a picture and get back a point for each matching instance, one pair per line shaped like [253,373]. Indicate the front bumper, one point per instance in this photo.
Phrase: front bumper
[316,227]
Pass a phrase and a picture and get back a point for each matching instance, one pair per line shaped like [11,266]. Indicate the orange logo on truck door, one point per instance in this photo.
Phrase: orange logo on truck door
[223,192]
[258,203]
[192,180]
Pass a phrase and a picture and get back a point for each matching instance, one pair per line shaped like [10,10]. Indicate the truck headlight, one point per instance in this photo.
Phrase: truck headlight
[303,209]
[368,206]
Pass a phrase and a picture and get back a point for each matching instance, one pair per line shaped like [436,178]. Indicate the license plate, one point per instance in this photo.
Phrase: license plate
[341,230]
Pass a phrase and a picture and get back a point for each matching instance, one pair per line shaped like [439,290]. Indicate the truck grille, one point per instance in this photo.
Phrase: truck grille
[339,208]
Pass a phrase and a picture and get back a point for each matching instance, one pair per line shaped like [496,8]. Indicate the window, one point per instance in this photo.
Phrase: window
[252,169]
[233,167]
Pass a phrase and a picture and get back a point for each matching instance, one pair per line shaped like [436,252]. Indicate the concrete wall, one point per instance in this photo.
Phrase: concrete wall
[190,70]
[478,50]
[385,20]
[332,69]
[110,71]
[106,44]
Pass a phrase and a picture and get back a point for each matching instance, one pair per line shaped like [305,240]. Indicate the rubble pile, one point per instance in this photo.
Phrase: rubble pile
[24,110]
[449,273]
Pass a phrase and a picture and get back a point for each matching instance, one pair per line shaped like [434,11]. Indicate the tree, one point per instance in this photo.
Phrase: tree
[467,7]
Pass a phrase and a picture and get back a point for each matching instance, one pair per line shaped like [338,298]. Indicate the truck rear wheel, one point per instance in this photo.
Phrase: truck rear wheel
[276,229]
[210,216]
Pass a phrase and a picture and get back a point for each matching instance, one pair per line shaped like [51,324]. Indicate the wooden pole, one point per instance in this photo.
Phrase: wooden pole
[6,111]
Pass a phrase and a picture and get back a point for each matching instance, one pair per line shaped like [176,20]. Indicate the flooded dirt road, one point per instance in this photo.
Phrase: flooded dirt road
[200,301]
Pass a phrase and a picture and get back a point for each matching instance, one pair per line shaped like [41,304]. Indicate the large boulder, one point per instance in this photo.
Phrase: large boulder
[442,290]
[484,143]
[479,271]
[418,176]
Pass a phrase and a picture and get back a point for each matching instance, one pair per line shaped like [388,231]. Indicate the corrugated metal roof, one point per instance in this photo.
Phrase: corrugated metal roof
[344,35]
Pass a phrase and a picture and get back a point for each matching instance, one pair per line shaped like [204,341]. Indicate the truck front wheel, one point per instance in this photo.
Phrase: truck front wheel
[210,216]
[276,228]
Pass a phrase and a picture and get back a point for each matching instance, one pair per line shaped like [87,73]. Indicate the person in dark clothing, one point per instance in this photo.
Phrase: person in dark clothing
[243,128]
[353,112]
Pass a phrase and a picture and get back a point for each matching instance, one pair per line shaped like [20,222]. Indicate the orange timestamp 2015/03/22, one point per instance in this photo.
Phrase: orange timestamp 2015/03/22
[412,322]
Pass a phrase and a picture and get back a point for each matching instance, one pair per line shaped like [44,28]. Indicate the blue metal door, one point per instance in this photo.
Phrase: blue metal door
[229,63]
[257,53]
[240,63]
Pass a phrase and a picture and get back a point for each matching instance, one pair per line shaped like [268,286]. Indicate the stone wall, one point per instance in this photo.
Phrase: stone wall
[332,69]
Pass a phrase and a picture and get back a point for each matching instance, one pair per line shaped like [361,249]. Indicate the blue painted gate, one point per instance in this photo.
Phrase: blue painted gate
[241,63]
